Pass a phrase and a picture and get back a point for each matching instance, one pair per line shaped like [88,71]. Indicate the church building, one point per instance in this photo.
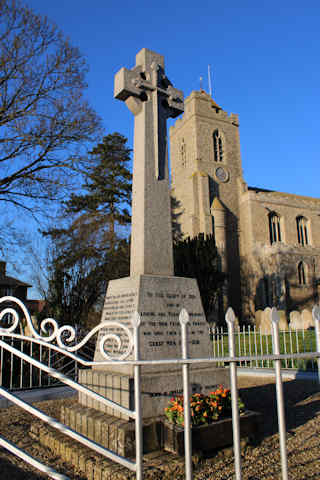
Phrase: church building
[268,241]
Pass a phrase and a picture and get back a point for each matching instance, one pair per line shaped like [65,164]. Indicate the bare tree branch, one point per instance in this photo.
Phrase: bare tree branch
[45,121]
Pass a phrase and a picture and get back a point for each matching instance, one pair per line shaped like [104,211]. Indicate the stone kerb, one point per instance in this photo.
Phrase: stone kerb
[307,320]
[236,323]
[301,321]
[264,321]
[295,320]
[265,326]
[258,318]
[283,323]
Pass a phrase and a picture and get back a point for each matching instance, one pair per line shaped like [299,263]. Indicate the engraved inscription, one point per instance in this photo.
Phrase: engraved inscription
[160,330]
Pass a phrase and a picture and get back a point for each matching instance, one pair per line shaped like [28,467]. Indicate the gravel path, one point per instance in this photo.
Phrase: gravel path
[260,461]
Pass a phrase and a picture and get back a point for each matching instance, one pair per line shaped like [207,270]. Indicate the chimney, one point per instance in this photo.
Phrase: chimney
[3,269]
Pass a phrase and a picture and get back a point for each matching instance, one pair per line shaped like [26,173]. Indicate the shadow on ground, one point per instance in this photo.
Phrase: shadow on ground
[299,406]
[10,470]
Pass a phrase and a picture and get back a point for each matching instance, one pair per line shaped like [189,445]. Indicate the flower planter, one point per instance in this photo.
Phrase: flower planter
[206,438]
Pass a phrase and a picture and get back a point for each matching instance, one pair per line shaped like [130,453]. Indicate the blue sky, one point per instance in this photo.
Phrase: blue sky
[264,58]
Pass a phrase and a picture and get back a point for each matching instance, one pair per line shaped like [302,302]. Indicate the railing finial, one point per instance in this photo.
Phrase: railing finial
[184,317]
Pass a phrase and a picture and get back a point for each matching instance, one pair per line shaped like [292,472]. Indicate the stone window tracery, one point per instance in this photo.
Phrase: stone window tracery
[302,231]
[274,228]
[218,152]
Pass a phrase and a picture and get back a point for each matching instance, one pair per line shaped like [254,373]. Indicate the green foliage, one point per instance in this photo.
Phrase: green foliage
[205,409]
[108,183]
[198,258]
[78,284]
[255,343]
[92,249]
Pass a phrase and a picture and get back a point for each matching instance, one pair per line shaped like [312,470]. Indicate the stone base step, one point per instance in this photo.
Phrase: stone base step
[93,466]
[112,432]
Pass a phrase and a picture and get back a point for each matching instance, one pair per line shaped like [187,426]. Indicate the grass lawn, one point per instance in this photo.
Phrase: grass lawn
[251,343]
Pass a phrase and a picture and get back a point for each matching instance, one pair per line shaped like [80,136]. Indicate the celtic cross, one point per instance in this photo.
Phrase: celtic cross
[152,99]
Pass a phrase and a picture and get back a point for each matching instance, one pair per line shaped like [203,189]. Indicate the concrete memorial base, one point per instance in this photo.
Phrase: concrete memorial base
[156,388]
[159,300]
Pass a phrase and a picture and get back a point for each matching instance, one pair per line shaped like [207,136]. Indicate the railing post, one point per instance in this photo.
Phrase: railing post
[184,319]
[136,319]
[230,319]
[280,400]
[316,318]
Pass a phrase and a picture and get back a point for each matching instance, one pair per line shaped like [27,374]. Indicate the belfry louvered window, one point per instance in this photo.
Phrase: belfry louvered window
[183,153]
[217,146]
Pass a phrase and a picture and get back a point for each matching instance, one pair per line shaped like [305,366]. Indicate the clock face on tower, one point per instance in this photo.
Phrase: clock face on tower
[221,174]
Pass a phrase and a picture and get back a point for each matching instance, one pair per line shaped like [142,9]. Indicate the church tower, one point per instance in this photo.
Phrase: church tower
[207,180]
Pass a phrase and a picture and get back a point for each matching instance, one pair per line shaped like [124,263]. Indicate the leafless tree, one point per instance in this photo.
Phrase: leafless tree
[45,120]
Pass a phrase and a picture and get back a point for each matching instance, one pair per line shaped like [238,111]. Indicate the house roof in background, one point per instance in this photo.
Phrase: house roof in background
[12,282]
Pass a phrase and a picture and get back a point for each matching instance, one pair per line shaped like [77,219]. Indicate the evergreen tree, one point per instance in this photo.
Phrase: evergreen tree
[93,248]
[199,258]
[108,186]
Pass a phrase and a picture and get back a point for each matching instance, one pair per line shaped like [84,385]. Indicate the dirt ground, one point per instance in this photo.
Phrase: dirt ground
[260,461]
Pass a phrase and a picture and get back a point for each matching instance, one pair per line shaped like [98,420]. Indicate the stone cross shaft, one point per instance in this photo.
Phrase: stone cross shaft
[152,99]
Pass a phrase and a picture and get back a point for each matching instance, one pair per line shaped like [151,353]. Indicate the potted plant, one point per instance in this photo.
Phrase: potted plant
[211,421]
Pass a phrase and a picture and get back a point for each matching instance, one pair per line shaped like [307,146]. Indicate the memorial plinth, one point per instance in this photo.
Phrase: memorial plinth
[159,301]
[151,289]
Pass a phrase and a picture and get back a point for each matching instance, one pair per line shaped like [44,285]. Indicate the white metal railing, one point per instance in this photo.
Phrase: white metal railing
[64,337]
[17,374]
[253,342]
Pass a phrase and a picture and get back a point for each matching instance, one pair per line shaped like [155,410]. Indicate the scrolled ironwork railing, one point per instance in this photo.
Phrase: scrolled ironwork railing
[60,340]
[65,335]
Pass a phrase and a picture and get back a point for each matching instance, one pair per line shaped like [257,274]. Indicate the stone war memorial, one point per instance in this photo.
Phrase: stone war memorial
[152,289]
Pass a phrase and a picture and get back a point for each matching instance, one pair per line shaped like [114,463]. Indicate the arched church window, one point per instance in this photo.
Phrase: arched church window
[302,230]
[302,278]
[183,153]
[218,153]
[274,228]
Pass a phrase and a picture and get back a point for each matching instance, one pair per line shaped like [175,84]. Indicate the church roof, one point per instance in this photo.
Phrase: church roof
[283,194]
